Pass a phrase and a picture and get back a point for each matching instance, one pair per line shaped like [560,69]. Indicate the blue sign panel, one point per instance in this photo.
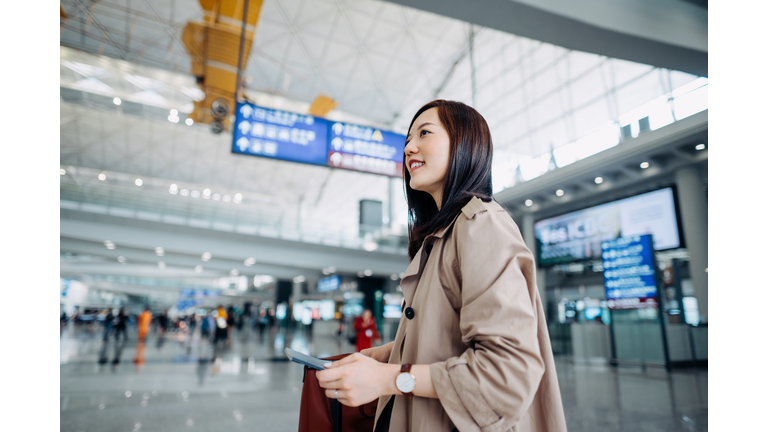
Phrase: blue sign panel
[629,273]
[361,148]
[329,283]
[280,135]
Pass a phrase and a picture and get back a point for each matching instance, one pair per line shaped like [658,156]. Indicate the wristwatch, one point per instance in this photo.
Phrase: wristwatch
[405,381]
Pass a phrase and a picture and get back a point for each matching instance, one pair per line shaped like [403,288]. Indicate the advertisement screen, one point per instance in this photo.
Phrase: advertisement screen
[280,135]
[629,272]
[578,235]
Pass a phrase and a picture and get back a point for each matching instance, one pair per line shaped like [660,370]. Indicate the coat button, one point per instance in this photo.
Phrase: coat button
[409,313]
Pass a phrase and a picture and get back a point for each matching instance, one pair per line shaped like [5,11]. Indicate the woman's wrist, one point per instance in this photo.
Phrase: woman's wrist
[389,377]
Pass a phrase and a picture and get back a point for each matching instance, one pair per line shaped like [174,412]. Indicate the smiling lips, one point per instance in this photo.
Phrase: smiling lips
[416,165]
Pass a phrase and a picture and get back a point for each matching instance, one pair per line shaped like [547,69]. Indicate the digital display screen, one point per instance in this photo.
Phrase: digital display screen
[578,235]
[629,272]
[283,135]
[279,135]
[329,283]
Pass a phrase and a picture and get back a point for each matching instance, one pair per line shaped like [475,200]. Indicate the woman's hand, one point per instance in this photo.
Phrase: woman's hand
[358,379]
[380,354]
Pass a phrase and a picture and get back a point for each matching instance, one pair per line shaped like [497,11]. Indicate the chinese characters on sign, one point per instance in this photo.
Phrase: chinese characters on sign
[307,139]
[629,272]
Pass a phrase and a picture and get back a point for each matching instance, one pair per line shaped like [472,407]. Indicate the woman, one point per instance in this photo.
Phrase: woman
[472,351]
[365,328]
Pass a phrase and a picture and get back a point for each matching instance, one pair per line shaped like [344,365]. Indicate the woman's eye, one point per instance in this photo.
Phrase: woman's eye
[423,132]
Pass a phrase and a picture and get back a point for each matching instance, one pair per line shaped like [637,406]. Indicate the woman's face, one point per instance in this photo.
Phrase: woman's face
[427,153]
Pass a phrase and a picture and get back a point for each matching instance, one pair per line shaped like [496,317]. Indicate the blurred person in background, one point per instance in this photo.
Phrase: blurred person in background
[206,326]
[108,323]
[220,333]
[261,323]
[121,325]
[365,327]
[230,322]
[144,321]
[62,322]
[162,322]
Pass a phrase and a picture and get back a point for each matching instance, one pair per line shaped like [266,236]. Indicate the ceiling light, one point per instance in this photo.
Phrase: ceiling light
[598,180]
[528,203]
[370,246]
[360,274]
[102,177]
[644,165]
[701,146]
[367,272]
[560,192]
[402,275]
[173,119]
[174,189]
[238,198]
[117,101]
[159,251]
[198,268]
[234,272]
[206,256]
[121,259]
[393,276]
[62,171]
[216,197]
[195,194]
[109,244]
[184,192]
[331,269]
[299,279]
[161,265]
[206,193]
[174,112]
[189,122]
[139,182]
[249,261]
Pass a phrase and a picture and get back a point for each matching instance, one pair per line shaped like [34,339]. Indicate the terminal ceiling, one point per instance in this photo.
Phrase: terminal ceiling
[381,61]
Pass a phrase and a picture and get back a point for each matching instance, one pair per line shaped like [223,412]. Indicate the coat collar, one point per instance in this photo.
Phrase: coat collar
[473,207]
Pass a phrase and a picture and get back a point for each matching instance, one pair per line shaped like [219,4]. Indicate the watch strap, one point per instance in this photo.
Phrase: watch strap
[406,368]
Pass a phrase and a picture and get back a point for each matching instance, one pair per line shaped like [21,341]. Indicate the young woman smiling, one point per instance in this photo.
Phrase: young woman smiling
[472,352]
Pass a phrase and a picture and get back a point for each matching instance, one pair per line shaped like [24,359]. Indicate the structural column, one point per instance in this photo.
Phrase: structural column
[529,235]
[693,212]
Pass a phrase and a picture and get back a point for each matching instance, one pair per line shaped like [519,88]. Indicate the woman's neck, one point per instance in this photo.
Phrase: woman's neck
[438,197]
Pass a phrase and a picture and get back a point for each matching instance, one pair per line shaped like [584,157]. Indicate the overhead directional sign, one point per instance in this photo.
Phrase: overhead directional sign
[280,135]
[362,148]
[307,139]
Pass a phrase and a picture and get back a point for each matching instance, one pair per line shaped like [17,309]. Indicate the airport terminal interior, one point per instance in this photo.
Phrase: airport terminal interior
[232,185]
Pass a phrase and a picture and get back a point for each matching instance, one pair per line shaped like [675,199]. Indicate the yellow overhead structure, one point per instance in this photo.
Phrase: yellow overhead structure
[214,47]
[322,106]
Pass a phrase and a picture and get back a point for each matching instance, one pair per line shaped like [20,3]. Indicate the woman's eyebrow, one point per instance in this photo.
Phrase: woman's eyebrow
[422,125]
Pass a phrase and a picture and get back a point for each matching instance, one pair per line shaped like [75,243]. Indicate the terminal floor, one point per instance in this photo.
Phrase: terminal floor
[249,386]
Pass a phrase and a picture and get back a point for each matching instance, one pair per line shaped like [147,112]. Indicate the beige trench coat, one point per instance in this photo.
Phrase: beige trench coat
[480,325]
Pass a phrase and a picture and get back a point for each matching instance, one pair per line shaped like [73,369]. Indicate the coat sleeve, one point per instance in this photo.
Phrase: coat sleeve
[492,384]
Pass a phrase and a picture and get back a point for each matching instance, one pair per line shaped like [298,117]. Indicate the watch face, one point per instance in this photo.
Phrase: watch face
[405,382]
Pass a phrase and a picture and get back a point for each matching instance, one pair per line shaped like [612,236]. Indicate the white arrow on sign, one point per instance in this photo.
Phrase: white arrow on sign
[246,111]
[244,127]
[338,128]
[243,143]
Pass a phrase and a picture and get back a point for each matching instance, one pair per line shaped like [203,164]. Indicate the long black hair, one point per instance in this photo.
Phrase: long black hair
[468,175]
